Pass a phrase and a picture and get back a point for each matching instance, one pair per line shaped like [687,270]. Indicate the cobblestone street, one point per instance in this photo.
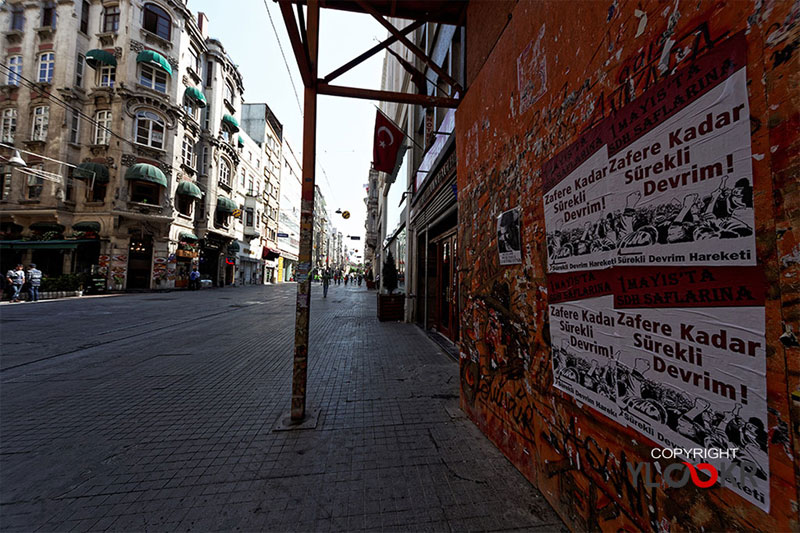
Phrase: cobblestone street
[157,412]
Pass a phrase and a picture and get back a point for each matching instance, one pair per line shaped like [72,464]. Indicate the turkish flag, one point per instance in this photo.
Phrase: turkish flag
[388,139]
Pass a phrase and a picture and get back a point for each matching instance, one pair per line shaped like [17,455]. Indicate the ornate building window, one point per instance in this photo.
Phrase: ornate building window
[108,74]
[85,16]
[49,15]
[14,70]
[102,128]
[224,173]
[9,125]
[111,19]
[40,123]
[47,65]
[153,78]
[157,21]
[149,129]
[18,17]
[187,152]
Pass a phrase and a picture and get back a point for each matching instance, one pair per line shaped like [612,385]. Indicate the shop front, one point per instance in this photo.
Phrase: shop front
[140,262]
[434,221]
[186,258]
[270,257]
[213,259]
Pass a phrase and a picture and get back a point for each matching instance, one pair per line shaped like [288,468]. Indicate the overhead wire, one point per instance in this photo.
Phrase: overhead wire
[66,105]
[294,88]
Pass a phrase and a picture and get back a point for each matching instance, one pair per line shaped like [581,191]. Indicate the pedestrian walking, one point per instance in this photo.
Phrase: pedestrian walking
[34,278]
[326,281]
[346,276]
[16,279]
[194,279]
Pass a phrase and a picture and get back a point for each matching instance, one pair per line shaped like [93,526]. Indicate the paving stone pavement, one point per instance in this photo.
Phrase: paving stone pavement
[156,412]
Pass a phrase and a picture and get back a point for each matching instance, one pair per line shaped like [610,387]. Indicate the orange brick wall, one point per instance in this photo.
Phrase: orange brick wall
[597,55]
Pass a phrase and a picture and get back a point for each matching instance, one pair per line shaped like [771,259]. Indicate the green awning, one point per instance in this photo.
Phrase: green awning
[98,58]
[155,59]
[46,226]
[197,95]
[234,247]
[44,245]
[226,205]
[145,172]
[231,122]
[86,225]
[85,171]
[188,236]
[187,188]
[241,141]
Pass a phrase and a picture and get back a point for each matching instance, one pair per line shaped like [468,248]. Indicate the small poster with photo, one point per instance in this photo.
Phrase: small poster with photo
[509,238]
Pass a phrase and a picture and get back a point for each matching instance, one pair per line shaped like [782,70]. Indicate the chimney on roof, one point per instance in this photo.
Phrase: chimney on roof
[202,24]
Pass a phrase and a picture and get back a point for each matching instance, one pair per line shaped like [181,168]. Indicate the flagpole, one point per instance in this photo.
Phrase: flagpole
[396,125]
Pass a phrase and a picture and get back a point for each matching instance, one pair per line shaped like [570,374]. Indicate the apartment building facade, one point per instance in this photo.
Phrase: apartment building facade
[126,113]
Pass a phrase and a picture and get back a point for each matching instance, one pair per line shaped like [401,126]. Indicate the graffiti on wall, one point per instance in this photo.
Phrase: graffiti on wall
[568,413]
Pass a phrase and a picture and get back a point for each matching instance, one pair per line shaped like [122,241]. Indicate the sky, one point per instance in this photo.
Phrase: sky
[344,125]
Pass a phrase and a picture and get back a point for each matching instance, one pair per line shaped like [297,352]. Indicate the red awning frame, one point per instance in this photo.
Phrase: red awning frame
[303,31]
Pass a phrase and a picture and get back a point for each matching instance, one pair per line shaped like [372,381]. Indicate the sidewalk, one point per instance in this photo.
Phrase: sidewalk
[142,437]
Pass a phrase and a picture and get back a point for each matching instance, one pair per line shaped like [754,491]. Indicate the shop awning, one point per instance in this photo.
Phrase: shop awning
[226,205]
[44,245]
[188,236]
[195,94]
[269,254]
[85,171]
[231,122]
[86,225]
[187,188]
[155,59]
[145,172]
[46,226]
[241,141]
[98,58]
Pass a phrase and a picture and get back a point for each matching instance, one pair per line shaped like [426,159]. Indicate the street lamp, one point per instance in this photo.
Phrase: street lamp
[17,161]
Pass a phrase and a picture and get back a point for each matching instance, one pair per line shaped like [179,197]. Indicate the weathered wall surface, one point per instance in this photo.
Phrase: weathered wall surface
[581,67]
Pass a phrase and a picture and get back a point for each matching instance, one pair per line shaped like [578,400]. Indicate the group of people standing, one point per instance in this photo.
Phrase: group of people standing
[326,276]
[20,281]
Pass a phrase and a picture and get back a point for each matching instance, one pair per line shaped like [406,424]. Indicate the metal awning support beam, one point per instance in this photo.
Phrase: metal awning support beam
[386,96]
[298,46]
[411,46]
[371,52]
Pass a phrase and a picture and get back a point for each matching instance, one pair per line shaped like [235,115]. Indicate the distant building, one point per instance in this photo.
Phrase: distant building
[289,221]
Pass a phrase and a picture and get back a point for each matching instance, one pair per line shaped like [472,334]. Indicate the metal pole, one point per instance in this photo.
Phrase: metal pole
[300,368]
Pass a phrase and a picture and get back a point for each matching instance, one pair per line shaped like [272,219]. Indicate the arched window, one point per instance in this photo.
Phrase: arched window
[224,173]
[149,129]
[157,21]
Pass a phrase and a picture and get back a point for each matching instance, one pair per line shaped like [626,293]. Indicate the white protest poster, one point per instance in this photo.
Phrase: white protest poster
[685,189]
[665,180]
[584,344]
[692,365]
[574,213]
[509,238]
